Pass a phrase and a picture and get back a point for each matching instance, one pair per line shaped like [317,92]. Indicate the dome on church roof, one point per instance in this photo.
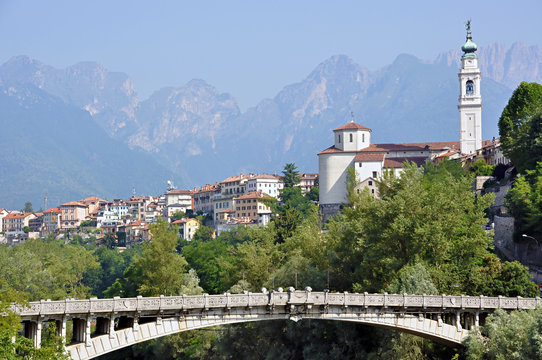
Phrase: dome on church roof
[352,126]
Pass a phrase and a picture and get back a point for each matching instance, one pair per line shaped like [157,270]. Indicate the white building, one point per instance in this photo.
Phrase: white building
[177,200]
[470,98]
[353,149]
[265,183]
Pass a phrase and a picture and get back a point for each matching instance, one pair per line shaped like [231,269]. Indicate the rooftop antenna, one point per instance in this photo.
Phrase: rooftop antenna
[45,201]
[133,191]
[352,115]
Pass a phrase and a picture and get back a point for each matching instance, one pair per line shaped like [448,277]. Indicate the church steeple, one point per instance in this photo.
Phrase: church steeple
[469,47]
[470,97]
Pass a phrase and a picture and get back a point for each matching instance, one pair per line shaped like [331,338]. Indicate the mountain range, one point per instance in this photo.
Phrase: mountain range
[83,130]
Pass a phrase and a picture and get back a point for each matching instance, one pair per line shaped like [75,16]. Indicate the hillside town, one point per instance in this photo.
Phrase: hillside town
[237,200]
[241,200]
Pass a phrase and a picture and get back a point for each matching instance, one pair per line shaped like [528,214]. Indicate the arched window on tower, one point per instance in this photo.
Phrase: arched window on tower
[351,138]
[469,87]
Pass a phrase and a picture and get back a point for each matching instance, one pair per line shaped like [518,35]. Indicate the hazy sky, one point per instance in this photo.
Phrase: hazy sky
[250,49]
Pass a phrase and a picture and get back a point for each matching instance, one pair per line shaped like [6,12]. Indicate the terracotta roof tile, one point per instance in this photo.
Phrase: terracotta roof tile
[179,192]
[253,195]
[369,157]
[352,126]
[398,161]
[74,203]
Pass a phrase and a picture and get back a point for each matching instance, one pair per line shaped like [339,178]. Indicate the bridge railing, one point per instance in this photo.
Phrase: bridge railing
[272,298]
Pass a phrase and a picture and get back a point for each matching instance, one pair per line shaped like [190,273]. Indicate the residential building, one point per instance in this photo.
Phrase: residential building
[73,213]
[187,227]
[307,181]
[3,214]
[251,207]
[137,232]
[36,224]
[177,200]
[230,188]
[15,222]
[94,204]
[51,220]
[266,183]
[203,199]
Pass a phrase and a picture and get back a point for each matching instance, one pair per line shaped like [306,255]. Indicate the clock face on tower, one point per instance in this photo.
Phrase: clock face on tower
[469,88]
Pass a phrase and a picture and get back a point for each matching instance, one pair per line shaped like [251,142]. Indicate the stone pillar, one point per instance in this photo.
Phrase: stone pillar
[32,331]
[61,328]
[88,340]
[111,327]
[80,328]
[477,319]
[37,339]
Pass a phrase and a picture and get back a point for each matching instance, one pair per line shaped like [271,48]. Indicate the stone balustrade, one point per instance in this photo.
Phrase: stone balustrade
[272,298]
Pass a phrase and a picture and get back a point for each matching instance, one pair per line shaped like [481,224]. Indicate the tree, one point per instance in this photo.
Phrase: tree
[524,202]
[177,215]
[507,335]
[519,135]
[290,175]
[27,207]
[481,168]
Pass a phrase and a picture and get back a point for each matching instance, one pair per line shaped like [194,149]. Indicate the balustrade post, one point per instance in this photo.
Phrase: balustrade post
[206,302]
[439,320]
[424,304]
[458,321]
[385,300]
[477,319]
[88,323]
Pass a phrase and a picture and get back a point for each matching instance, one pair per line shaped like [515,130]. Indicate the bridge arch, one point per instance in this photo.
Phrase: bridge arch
[442,318]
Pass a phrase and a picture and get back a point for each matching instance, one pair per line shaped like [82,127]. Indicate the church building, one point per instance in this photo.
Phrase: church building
[352,146]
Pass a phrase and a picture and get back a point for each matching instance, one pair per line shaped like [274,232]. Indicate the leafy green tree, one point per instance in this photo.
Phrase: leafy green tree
[26,229]
[204,233]
[290,175]
[513,335]
[524,201]
[518,133]
[481,168]
[177,215]
[159,265]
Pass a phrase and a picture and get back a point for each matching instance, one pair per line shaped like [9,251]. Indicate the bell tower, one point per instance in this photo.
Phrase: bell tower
[470,98]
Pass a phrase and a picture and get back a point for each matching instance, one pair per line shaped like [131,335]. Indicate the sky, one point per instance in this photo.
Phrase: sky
[251,49]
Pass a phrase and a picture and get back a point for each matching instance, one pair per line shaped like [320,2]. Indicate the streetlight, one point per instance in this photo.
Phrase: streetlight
[530,237]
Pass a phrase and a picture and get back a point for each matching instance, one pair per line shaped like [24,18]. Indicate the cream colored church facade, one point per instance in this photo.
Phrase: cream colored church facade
[352,143]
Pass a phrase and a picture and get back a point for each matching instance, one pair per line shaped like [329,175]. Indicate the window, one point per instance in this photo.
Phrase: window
[351,138]
[362,137]
[370,182]
[339,139]
[372,191]
[374,174]
[359,164]
[469,88]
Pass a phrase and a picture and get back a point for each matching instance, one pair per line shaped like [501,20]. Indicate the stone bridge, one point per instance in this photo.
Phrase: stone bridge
[104,325]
